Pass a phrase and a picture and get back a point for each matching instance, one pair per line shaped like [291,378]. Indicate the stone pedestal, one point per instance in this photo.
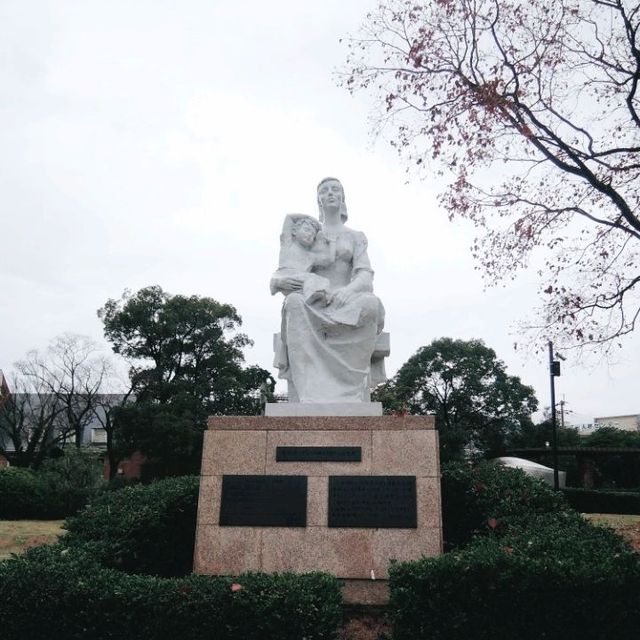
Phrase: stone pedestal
[298,409]
[345,495]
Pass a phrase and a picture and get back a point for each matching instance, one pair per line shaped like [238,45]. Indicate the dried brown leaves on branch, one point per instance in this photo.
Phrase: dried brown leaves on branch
[532,109]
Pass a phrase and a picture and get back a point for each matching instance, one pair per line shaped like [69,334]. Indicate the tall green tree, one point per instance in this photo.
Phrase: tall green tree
[539,435]
[186,363]
[476,403]
[615,470]
[608,436]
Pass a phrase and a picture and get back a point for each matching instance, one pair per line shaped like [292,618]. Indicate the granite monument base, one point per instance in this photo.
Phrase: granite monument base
[345,495]
[298,409]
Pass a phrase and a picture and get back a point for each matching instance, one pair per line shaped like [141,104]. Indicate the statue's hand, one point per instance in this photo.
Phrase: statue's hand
[342,296]
[290,283]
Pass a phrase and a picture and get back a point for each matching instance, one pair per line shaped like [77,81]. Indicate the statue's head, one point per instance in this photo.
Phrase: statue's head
[328,189]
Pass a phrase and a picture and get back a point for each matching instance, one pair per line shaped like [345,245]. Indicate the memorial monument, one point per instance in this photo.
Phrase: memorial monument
[323,482]
[329,331]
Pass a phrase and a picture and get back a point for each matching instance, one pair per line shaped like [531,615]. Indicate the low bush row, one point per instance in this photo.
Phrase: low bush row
[59,489]
[474,496]
[601,501]
[523,564]
[147,529]
[55,592]
[113,576]
[532,568]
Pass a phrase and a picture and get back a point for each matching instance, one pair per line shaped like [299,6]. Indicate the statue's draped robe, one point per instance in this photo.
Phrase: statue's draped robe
[325,351]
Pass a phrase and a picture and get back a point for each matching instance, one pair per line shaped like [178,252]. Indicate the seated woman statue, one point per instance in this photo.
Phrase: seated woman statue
[330,323]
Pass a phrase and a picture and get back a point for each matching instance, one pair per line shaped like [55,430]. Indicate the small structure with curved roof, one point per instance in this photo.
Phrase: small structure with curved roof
[533,469]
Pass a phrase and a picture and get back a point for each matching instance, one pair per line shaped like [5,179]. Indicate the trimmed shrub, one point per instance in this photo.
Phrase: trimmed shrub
[71,480]
[74,590]
[596,501]
[60,488]
[473,498]
[53,592]
[555,577]
[147,529]
[22,494]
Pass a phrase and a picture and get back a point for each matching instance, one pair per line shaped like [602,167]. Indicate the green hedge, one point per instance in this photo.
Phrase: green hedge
[600,501]
[22,495]
[147,529]
[96,583]
[553,577]
[474,496]
[54,592]
[60,488]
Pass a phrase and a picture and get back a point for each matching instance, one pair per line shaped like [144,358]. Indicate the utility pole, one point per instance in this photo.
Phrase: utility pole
[554,371]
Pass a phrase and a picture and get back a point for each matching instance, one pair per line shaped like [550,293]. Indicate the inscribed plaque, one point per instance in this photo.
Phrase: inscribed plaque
[263,501]
[318,454]
[373,502]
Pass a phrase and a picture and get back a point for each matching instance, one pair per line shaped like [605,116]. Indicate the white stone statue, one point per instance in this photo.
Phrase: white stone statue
[329,346]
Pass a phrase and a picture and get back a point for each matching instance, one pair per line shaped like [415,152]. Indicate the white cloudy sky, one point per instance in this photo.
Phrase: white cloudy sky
[162,142]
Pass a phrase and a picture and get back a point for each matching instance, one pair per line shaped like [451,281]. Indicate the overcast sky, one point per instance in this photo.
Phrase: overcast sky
[162,142]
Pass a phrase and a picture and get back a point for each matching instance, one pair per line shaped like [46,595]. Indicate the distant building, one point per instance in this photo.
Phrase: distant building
[626,423]
[584,428]
[94,435]
[629,422]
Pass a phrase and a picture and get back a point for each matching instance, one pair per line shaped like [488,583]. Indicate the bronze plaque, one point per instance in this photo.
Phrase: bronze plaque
[263,501]
[318,454]
[385,502]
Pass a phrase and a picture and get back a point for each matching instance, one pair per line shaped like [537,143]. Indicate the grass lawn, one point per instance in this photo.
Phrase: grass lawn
[613,520]
[626,525]
[17,536]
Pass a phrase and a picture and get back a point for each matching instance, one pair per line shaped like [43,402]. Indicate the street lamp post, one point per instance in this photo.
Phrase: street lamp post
[554,371]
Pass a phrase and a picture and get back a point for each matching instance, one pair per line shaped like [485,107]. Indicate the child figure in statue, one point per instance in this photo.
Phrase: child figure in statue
[303,247]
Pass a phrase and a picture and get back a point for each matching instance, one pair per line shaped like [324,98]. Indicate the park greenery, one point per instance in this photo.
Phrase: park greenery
[123,571]
[62,486]
[477,405]
[521,564]
[513,546]
[185,364]
[531,112]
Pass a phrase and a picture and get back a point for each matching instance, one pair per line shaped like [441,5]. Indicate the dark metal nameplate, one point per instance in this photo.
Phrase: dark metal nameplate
[318,454]
[373,502]
[263,501]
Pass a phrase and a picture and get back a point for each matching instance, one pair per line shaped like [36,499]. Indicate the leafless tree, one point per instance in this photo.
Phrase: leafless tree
[29,422]
[72,371]
[54,396]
